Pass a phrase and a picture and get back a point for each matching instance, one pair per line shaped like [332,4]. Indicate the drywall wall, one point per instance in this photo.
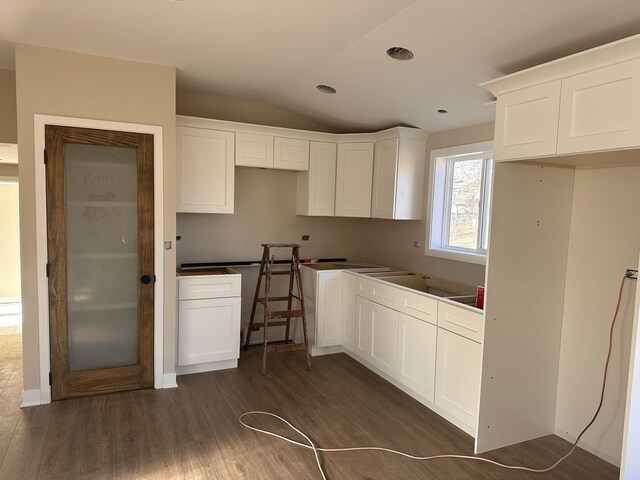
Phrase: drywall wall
[9,241]
[8,116]
[604,240]
[265,212]
[391,242]
[630,467]
[57,82]
[223,107]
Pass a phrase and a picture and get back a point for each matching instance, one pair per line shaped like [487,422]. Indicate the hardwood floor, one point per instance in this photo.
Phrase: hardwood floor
[192,432]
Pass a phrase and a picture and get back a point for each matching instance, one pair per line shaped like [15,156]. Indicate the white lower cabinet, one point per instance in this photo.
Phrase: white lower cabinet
[328,308]
[417,355]
[349,286]
[208,321]
[363,328]
[458,377]
[209,330]
[434,365]
[384,338]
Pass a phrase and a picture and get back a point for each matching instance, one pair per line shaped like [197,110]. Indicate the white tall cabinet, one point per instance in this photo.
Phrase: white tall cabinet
[204,170]
[549,227]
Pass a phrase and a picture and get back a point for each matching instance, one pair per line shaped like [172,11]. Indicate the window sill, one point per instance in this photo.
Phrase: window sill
[458,256]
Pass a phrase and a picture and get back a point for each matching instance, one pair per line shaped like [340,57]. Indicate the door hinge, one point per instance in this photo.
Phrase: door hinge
[47,270]
[46,157]
[50,379]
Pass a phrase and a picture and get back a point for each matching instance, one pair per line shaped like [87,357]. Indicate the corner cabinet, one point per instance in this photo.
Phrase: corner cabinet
[316,188]
[204,170]
[353,179]
[398,173]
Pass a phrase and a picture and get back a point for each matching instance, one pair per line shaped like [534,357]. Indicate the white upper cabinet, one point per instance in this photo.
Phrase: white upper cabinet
[585,103]
[254,150]
[527,122]
[353,179]
[600,109]
[290,154]
[316,189]
[204,170]
[398,176]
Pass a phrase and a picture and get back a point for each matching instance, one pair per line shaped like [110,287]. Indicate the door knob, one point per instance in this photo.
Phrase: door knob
[146,279]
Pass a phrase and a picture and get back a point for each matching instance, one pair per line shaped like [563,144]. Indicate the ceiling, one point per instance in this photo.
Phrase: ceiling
[277,51]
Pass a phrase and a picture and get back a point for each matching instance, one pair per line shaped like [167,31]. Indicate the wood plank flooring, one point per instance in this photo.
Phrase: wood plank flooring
[192,432]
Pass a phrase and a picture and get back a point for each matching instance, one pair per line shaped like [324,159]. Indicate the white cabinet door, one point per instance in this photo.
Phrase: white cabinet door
[398,177]
[527,122]
[385,165]
[316,192]
[363,328]
[329,309]
[349,286]
[290,154]
[458,376]
[353,179]
[599,109]
[253,150]
[384,338]
[417,355]
[204,170]
[209,330]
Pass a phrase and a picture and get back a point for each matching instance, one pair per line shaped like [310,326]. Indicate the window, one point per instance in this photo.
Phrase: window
[459,202]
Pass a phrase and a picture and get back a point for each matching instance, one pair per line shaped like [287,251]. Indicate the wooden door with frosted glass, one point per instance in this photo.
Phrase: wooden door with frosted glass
[100,260]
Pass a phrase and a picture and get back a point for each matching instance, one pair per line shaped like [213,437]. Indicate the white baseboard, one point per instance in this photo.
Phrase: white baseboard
[169,381]
[30,398]
[206,367]
[319,351]
[572,438]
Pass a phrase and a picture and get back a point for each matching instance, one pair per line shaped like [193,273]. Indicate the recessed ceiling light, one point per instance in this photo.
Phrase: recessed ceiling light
[400,53]
[326,89]
[442,110]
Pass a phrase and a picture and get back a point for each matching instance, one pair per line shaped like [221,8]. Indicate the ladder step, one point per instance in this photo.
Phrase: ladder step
[277,299]
[287,347]
[281,272]
[285,314]
[273,299]
[258,326]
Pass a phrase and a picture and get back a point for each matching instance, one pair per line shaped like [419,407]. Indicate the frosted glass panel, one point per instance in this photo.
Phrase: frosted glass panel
[102,259]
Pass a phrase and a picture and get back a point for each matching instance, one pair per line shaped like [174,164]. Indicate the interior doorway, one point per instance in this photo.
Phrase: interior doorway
[10,296]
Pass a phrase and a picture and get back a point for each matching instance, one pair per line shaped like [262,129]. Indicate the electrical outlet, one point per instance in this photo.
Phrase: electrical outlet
[416,243]
[305,237]
[632,273]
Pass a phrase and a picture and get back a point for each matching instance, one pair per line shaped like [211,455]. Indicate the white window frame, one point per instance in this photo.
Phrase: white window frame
[438,209]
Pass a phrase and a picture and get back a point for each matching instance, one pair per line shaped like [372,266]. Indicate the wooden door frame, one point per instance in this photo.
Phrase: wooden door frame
[43,395]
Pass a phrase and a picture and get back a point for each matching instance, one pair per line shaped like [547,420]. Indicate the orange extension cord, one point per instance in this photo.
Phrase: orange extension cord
[316,449]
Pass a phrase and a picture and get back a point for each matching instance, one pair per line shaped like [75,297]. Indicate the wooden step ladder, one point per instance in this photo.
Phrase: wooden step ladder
[281,317]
